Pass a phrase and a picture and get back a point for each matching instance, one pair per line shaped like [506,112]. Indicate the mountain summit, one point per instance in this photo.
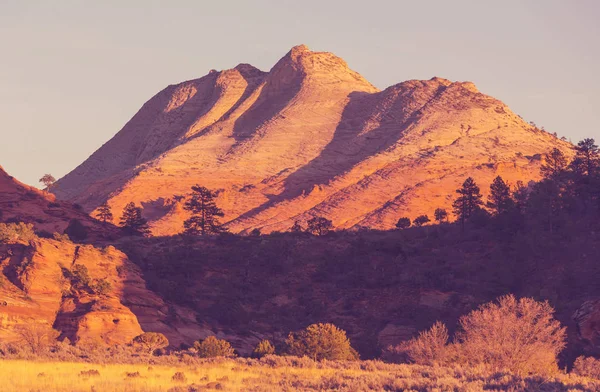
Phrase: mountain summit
[310,137]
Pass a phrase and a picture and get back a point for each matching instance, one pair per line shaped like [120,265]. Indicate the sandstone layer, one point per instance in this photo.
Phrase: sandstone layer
[37,286]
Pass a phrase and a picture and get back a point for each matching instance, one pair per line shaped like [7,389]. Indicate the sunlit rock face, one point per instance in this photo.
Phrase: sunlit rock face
[310,137]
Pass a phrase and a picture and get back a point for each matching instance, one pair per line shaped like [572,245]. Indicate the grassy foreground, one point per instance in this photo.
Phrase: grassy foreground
[270,374]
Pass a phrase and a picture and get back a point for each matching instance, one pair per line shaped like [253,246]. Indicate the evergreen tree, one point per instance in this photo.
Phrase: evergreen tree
[520,195]
[104,213]
[132,220]
[555,164]
[403,223]
[499,200]
[468,202]
[587,158]
[205,213]
[440,215]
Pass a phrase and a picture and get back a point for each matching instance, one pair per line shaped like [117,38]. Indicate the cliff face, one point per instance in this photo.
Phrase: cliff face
[87,294]
[310,137]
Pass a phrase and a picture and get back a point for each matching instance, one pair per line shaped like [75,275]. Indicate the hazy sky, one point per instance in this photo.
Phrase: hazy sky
[72,73]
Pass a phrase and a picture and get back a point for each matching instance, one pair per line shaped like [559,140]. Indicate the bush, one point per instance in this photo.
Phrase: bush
[16,232]
[421,220]
[212,347]
[321,341]
[179,377]
[80,276]
[403,223]
[430,348]
[151,341]
[587,367]
[263,348]
[517,335]
[101,287]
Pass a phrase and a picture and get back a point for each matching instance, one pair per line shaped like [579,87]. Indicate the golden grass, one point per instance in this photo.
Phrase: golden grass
[277,375]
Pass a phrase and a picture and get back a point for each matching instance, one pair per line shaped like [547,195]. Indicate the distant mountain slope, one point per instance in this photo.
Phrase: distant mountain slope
[23,203]
[310,137]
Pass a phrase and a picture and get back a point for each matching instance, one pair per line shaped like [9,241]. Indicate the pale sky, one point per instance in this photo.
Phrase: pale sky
[72,73]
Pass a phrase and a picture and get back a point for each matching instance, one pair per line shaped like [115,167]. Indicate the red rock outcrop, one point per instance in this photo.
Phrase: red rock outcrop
[37,284]
[310,137]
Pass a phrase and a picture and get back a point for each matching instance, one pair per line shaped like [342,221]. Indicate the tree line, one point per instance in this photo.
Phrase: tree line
[566,187]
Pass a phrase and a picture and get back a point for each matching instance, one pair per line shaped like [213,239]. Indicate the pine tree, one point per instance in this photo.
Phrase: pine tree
[555,164]
[499,200]
[132,220]
[440,215]
[587,157]
[104,213]
[468,202]
[205,213]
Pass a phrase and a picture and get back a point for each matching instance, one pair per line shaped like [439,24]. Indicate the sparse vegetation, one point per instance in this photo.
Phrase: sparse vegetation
[16,232]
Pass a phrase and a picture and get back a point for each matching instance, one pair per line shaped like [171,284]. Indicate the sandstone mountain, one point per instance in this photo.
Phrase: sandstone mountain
[310,137]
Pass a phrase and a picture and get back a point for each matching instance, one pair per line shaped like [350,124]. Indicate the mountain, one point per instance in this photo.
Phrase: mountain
[310,137]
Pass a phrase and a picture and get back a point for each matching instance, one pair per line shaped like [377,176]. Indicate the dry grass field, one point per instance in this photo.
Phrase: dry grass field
[271,374]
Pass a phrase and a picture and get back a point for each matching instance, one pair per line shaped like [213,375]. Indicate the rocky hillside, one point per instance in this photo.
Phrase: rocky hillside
[86,293]
[23,203]
[309,137]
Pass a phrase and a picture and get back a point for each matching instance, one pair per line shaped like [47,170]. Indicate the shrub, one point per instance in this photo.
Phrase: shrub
[255,233]
[101,287]
[321,341]
[61,237]
[264,347]
[212,347]
[587,367]
[403,223]
[151,341]
[429,348]
[179,377]
[517,335]
[89,373]
[16,232]
[421,220]
[36,336]
[319,225]
[80,276]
